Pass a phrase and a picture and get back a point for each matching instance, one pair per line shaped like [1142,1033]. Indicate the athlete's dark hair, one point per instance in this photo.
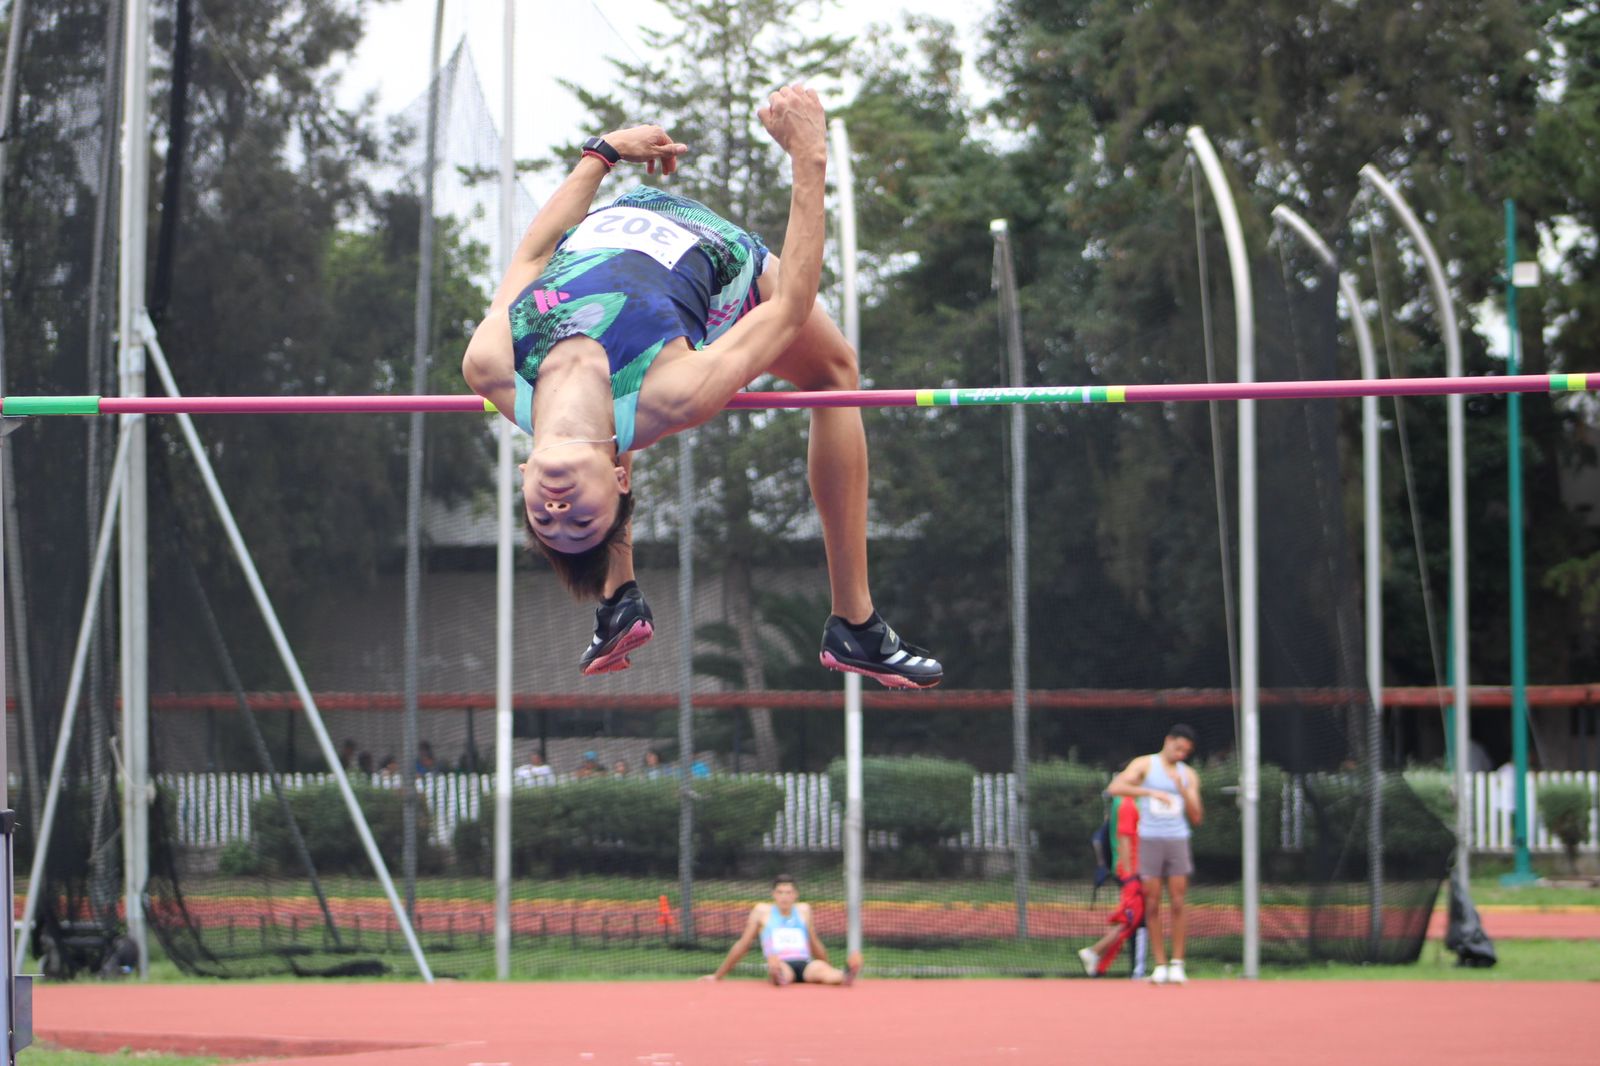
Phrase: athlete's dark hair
[584,573]
[1184,732]
[784,879]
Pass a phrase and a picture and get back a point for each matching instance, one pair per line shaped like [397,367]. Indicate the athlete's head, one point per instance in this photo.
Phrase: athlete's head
[1179,743]
[784,892]
[576,503]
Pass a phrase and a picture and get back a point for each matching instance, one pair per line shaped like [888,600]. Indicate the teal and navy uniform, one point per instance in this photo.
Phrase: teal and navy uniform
[787,937]
[677,270]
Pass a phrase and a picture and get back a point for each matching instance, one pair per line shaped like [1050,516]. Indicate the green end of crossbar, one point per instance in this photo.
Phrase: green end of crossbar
[1569,382]
[50,405]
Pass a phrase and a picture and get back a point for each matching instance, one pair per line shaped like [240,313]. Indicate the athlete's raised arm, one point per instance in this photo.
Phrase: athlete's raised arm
[487,364]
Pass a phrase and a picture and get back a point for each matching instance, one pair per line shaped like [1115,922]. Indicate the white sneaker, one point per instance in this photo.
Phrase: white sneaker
[1159,976]
[1175,974]
[1090,960]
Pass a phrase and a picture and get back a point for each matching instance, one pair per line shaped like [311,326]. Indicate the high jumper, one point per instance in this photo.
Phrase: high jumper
[645,318]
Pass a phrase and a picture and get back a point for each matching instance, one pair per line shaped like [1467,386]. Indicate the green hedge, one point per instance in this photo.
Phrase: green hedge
[1564,809]
[1219,839]
[925,802]
[330,836]
[615,826]
[1066,806]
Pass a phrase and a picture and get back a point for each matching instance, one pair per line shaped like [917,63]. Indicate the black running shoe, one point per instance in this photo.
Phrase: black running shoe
[619,628]
[877,651]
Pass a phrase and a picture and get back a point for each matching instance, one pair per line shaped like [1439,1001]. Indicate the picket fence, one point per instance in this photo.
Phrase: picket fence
[213,809]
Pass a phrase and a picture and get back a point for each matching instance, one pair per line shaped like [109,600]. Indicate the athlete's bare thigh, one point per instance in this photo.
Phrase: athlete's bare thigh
[819,357]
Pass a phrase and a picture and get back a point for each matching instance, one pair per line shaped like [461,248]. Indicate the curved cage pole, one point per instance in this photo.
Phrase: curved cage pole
[1456,416]
[1372,567]
[855,825]
[1249,605]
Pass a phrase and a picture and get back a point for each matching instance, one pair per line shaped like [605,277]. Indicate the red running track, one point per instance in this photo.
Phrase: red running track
[1227,1023]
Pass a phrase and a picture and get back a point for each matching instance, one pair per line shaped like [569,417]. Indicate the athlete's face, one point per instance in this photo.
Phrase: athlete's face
[571,494]
[1177,749]
[784,895]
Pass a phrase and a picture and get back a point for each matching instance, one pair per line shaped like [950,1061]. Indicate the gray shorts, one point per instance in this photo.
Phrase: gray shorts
[1165,857]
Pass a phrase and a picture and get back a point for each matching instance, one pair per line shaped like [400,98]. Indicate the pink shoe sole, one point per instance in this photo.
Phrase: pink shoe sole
[617,658]
[886,680]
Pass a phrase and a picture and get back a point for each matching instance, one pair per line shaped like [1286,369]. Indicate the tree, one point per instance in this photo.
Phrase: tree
[1297,96]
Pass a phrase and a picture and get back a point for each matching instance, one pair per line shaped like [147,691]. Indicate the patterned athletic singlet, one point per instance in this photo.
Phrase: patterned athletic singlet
[785,936]
[633,276]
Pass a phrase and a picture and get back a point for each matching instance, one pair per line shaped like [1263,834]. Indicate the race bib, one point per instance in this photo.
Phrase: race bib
[636,230]
[1165,803]
[789,942]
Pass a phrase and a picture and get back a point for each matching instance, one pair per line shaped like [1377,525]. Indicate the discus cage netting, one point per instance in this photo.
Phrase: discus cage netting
[643,847]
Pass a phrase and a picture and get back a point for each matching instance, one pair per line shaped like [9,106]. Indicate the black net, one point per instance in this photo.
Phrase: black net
[641,838]
[1130,636]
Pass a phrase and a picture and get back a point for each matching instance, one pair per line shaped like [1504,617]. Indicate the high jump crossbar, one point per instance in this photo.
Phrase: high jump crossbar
[947,397]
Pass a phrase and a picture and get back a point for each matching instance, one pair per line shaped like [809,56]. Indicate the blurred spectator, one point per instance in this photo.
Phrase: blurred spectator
[652,765]
[534,769]
[390,765]
[591,766]
[364,762]
[426,763]
[619,768]
[347,753]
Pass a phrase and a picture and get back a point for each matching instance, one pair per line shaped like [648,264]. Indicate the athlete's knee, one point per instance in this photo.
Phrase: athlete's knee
[830,367]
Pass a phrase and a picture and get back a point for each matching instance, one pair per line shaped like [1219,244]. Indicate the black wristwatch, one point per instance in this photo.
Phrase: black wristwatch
[597,146]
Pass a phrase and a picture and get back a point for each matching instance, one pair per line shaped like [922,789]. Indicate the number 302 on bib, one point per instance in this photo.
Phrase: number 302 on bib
[636,230]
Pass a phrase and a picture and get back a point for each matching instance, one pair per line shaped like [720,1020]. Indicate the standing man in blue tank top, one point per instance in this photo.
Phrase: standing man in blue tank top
[643,319]
[1168,791]
[789,941]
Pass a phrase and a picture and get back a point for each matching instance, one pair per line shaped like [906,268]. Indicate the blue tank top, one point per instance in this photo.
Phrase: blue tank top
[651,267]
[1163,817]
[786,936]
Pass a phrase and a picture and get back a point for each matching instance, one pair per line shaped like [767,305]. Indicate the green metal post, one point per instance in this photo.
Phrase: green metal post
[1522,872]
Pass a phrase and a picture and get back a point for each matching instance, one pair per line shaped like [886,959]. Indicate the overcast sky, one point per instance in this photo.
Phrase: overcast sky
[568,40]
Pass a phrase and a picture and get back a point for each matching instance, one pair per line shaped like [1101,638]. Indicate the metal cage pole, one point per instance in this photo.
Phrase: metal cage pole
[1372,569]
[1020,830]
[280,640]
[133,573]
[686,686]
[505,563]
[1456,415]
[45,831]
[1249,599]
[422,338]
[9,1036]
[854,802]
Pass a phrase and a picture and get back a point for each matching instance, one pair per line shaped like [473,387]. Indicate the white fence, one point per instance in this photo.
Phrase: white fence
[214,808]
[1494,808]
